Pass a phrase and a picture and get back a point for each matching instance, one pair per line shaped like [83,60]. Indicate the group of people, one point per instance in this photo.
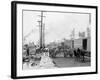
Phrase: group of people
[79,54]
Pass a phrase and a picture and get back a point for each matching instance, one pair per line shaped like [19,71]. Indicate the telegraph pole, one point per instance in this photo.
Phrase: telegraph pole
[72,38]
[41,30]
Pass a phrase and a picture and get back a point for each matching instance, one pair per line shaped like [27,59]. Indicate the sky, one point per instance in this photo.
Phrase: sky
[57,25]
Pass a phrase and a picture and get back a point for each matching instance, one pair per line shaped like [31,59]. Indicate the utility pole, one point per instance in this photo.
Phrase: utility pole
[41,30]
[72,37]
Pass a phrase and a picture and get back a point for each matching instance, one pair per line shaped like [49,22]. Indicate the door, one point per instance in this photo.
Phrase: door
[85,44]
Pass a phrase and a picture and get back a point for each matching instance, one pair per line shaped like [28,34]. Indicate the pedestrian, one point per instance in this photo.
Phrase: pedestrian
[27,50]
[78,54]
[75,56]
[83,55]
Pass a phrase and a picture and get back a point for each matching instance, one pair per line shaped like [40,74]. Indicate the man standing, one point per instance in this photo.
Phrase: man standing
[27,50]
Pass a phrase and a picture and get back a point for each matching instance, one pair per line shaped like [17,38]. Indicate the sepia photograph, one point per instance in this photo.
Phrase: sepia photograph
[53,39]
